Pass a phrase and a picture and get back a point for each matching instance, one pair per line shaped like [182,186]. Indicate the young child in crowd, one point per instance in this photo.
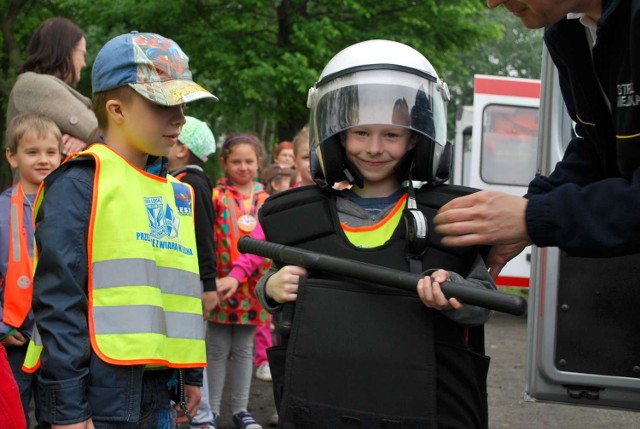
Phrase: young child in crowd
[362,354]
[117,296]
[277,177]
[274,178]
[237,199]
[283,153]
[33,150]
[194,145]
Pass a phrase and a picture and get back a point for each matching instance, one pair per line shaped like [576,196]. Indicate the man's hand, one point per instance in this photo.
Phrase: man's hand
[486,217]
[500,255]
[192,396]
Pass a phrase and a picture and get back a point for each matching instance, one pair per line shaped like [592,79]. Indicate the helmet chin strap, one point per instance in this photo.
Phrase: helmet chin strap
[416,228]
[352,174]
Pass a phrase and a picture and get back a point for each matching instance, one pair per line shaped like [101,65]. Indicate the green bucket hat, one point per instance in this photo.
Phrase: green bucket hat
[197,136]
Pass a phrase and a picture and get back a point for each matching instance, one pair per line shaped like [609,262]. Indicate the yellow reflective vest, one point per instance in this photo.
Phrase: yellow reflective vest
[144,284]
[377,234]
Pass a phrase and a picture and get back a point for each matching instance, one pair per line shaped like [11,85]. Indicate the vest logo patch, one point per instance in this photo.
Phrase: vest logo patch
[162,220]
[182,198]
[163,223]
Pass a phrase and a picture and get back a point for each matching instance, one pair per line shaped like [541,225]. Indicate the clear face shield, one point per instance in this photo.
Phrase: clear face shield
[379,97]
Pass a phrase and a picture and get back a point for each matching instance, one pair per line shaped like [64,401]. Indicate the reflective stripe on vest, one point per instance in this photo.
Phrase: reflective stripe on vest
[18,284]
[144,284]
[369,236]
[32,358]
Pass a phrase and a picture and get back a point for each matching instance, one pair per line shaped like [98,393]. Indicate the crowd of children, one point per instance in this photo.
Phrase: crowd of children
[135,247]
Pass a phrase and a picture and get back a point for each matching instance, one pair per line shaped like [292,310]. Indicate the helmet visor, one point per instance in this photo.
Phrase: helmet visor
[379,97]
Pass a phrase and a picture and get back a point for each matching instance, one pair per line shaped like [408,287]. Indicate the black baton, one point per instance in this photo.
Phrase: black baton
[490,299]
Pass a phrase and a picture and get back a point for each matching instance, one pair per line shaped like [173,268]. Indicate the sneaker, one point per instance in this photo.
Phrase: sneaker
[263,372]
[244,420]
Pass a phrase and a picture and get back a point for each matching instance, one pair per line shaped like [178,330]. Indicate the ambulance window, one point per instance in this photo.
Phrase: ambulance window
[509,144]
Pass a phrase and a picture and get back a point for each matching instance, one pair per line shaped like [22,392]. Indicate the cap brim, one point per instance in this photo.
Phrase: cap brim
[172,92]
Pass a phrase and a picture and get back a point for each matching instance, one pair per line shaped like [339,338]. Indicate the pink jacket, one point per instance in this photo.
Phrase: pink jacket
[247,263]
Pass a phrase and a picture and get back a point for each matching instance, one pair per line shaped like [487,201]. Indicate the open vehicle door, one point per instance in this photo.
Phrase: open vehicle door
[584,328]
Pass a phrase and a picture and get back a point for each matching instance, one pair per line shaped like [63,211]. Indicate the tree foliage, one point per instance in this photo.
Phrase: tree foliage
[517,52]
[261,56]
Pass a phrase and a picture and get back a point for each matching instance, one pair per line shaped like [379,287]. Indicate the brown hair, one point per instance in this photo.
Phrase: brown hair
[236,139]
[301,138]
[25,123]
[99,101]
[275,171]
[50,48]
[194,160]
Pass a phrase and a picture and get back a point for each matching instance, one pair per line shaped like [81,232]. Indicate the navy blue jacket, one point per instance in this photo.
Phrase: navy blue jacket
[589,205]
[74,383]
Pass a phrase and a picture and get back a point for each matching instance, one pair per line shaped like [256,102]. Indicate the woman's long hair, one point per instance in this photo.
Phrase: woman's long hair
[50,48]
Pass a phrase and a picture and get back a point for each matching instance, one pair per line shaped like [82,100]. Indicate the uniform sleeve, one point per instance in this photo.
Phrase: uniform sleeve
[580,210]
[204,214]
[581,207]
[60,298]
[479,278]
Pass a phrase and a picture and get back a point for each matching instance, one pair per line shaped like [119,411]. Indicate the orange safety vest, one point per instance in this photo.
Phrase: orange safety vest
[18,281]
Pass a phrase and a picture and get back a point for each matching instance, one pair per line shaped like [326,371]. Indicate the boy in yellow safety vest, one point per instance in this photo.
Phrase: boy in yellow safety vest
[117,287]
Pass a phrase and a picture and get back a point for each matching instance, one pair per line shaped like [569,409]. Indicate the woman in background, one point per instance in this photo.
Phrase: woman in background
[55,57]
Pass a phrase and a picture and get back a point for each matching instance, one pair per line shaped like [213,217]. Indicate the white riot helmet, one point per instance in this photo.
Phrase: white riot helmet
[379,82]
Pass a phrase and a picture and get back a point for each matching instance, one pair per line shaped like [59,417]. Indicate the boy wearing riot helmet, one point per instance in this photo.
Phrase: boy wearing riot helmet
[360,353]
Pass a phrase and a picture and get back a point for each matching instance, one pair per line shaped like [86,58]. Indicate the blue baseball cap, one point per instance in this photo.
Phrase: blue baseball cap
[151,64]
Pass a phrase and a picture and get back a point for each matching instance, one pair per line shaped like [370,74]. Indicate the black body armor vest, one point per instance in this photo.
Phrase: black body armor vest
[362,355]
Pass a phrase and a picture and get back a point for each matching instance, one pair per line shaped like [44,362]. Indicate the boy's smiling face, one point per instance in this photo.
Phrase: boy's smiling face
[375,150]
[36,156]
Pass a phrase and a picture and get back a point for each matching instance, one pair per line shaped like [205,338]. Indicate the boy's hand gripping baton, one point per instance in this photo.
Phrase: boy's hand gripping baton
[490,299]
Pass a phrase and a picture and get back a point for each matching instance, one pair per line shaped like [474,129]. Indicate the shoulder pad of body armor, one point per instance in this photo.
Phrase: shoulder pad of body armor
[280,213]
[436,197]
